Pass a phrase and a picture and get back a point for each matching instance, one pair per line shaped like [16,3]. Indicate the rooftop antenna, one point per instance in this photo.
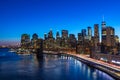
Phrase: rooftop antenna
[103,22]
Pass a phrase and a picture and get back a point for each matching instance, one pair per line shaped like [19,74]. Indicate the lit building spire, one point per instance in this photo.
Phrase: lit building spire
[103,22]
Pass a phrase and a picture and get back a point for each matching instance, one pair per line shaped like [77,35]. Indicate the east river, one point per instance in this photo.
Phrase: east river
[50,67]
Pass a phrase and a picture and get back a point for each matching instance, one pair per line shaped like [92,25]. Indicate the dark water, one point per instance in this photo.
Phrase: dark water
[51,67]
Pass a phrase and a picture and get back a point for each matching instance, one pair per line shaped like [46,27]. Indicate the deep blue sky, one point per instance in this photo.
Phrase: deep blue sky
[39,16]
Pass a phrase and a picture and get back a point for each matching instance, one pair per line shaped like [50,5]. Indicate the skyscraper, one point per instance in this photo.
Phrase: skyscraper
[25,41]
[65,34]
[96,36]
[103,24]
[96,33]
[34,36]
[83,33]
[110,36]
[45,36]
[58,40]
[80,46]
[34,40]
[89,33]
[103,32]
[50,34]
[64,38]
[72,41]
[57,35]
[80,37]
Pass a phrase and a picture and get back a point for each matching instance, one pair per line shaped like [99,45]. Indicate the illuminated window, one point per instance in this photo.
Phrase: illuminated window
[111,32]
[104,32]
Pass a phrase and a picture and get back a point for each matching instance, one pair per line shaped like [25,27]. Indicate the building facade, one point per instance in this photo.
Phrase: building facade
[25,41]
[96,37]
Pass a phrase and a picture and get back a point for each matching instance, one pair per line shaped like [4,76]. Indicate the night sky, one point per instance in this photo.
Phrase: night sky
[39,16]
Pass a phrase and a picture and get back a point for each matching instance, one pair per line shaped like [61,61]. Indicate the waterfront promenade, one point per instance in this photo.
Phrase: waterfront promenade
[109,68]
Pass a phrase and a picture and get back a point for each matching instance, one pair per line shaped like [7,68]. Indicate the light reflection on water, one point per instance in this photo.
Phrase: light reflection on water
[50,67]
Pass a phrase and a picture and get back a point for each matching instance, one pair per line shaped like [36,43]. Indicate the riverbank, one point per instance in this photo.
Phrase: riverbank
[110,69]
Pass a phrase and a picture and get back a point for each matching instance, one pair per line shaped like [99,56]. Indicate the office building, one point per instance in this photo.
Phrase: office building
[89,33]
[96,37]
[72,41]
[25,41]
[65,34]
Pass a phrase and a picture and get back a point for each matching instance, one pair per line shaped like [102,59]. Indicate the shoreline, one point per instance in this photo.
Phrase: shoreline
[99,67]
[103,66]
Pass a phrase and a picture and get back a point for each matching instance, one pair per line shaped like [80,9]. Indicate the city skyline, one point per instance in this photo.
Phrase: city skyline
[60,39]
[39,17]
